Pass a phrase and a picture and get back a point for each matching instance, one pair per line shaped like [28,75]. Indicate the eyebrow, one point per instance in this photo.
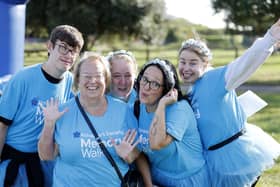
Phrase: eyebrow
[157,80]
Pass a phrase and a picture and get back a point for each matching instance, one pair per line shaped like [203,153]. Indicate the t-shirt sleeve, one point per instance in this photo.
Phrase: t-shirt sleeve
[12,97]
[176,120]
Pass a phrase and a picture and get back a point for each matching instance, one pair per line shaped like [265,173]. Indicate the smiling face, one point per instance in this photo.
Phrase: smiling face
[92,81]
[190,66]
[123,75]
[151,87]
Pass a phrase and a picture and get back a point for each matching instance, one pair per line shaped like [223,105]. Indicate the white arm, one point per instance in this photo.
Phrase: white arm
[243,67]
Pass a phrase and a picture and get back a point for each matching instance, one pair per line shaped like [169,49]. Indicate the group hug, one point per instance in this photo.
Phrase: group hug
[86,119]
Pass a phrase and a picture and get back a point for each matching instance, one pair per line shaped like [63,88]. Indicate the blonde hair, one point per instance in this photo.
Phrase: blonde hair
[197,46]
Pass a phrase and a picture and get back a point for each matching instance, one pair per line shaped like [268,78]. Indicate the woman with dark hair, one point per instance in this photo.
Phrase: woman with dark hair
[168,137]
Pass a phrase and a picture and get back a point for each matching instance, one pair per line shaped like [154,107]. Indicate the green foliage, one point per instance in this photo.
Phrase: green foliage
[170,37]
[248,16]
[94,18]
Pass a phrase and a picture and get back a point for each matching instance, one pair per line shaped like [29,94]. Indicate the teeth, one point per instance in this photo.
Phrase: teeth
[187,74]
[92,87]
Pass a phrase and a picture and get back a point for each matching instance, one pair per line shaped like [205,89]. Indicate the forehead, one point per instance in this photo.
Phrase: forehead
[122,65]
[92,66]
[189,54]
[153,72]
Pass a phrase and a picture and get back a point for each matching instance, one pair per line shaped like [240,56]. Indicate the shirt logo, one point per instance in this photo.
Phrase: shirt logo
[76,134]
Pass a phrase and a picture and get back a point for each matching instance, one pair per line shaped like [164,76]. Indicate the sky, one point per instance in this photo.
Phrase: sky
[195,11]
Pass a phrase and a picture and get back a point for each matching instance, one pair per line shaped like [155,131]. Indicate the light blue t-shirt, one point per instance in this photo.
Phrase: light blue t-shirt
[131,99]
[20,103]
[183,156]
[81,162]
[218,113]
[3,82]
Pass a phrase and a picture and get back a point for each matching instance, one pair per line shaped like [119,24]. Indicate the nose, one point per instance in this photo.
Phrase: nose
[93,79]
[122,80]
[70,53]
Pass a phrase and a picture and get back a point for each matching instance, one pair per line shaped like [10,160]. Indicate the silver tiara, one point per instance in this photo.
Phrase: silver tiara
[165,66]
[121,52]
[192,43]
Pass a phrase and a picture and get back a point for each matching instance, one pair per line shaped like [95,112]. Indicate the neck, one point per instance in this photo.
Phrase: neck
[50,69]
[151,107]
[96,107]
[185,87]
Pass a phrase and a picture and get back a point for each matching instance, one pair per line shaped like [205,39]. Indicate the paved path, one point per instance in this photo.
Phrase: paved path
[260,88]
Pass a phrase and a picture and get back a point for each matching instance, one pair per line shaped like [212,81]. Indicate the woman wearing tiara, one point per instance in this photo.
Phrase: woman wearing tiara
[236,153]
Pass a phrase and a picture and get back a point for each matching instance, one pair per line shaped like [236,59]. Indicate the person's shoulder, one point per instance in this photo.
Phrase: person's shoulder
[25,74]
[182,104]
[29,70]
[214,72]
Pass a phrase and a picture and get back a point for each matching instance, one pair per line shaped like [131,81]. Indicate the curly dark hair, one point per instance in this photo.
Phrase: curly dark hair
[167,69]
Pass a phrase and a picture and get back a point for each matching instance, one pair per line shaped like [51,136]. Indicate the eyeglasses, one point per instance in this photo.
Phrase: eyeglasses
[62,49]
[96,77]
[154,85]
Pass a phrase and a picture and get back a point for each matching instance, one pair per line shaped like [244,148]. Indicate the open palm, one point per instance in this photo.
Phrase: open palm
[127,145]
[51,112]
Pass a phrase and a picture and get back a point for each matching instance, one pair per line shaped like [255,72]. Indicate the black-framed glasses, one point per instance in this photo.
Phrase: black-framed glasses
[154,85]
[62,49]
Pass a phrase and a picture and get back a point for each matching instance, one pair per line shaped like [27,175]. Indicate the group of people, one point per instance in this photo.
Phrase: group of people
[191,135]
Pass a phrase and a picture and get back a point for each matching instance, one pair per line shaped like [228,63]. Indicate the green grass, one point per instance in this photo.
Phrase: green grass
[267,119]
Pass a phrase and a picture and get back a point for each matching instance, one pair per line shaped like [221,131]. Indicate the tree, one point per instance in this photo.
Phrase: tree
[94,18]
[251,17]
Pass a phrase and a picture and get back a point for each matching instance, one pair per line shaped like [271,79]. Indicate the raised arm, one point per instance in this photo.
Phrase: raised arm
[158,136]
[243,67]
[46,146]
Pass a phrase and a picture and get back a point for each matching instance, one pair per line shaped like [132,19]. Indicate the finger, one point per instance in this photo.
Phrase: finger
[132,136]
[113,142]
[56,102]
[127,134]
[136,143]
[41,105]
[64,111]
[51,101]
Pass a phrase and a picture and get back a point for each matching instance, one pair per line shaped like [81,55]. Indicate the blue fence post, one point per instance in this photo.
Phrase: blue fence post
[12,33]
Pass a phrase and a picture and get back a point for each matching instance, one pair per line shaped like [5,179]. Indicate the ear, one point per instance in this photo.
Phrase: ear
[50,46]
[205,65]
